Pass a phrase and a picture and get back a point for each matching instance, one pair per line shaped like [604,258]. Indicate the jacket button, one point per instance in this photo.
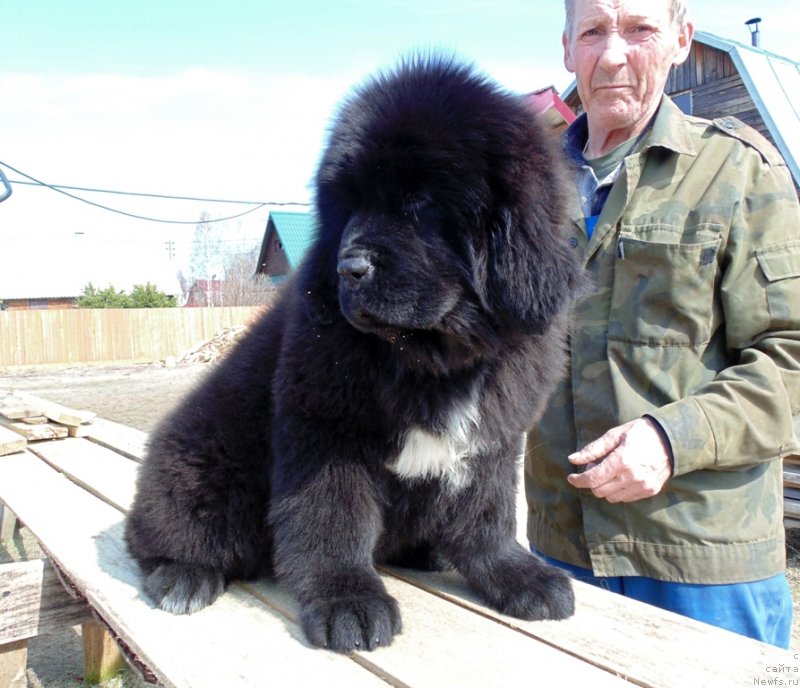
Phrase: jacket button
[573,242]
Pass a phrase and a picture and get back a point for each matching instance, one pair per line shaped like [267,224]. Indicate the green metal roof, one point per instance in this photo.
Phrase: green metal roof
[296,232]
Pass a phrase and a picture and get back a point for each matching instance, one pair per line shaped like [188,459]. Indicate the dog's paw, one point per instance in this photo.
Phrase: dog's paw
[523,586]
[544,592]
[362,621]
[183,588]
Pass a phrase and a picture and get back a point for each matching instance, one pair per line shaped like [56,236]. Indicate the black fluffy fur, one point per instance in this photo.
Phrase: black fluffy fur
[433,299]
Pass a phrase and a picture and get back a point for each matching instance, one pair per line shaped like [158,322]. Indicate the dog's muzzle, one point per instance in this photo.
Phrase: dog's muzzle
[356,270]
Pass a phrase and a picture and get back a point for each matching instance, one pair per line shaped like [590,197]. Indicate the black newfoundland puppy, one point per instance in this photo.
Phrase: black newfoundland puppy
[376,412]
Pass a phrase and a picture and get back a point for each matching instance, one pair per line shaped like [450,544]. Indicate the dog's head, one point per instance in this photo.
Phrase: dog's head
[440,206]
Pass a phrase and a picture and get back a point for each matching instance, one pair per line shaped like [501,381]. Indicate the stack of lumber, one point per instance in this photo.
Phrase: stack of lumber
[791,491]
[25,418]
[214,348]
[791,483]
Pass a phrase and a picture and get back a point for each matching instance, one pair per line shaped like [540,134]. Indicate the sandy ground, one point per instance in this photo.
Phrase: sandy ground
[139,395]
[136,395]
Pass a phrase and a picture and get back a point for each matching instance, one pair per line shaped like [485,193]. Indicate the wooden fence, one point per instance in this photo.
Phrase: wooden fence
[131,335]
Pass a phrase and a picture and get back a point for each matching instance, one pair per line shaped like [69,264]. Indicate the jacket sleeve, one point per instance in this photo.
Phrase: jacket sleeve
[744,415]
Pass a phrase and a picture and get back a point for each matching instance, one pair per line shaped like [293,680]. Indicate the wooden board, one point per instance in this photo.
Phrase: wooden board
[791,508]
[13,409]
[614,631]
[34,433]
[11,442]
[67,416]
[441,641]
[33,600]
[34,420]
[120,438]
[791,474]
[107,475]
[18,401]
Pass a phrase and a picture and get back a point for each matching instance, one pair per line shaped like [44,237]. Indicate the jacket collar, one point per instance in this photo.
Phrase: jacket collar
[669,131]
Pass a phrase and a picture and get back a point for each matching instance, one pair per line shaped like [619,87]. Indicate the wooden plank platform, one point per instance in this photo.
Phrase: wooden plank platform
[73,495]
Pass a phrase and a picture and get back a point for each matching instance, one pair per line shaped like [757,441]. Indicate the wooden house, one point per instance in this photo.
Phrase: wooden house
[47,303]
[286,238]
[723,77]
[205,293]
[551,109]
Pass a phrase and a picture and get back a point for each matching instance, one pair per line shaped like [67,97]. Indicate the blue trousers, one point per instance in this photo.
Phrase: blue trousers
[759,609]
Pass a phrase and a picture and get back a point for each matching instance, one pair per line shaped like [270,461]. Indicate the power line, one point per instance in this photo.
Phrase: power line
[154,195]
[65,190]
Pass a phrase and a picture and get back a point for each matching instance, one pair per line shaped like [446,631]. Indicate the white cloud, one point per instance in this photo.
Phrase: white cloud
[196,133]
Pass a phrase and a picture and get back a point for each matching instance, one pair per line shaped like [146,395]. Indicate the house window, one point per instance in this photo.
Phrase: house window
[683,101]
[38,304]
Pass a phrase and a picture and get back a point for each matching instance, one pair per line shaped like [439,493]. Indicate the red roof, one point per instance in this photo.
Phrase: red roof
[547,100]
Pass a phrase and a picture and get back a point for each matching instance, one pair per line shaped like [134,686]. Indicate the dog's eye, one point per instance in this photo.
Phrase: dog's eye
[414,204]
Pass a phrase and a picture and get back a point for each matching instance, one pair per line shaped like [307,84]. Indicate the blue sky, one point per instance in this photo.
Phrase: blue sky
[231,99]
[289,35]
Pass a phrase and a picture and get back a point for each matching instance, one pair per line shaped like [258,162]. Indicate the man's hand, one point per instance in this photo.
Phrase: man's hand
[628,463]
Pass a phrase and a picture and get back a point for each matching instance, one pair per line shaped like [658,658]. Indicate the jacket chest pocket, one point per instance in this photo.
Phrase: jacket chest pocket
[663,293]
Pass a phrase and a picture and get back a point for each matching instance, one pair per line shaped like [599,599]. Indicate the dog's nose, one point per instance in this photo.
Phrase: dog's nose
[355,268]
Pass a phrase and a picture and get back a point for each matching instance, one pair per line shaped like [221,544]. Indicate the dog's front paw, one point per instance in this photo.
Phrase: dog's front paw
[543,592]
[183,588]
[358,621]
[520,584]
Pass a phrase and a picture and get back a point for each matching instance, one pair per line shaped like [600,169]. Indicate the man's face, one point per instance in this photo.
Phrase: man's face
[621,52]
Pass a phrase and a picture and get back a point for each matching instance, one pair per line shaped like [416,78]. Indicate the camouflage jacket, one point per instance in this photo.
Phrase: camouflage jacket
[693,319]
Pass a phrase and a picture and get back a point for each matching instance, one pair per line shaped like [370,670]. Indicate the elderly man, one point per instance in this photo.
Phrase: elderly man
[656,470]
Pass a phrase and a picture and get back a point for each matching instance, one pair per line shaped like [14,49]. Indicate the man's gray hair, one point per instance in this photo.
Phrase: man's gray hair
[677,10]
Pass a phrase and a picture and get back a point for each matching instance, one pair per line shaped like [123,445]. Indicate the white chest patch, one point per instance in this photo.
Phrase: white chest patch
[429,455]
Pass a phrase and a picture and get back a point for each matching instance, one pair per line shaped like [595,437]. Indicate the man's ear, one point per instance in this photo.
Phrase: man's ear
[685,37]
[568,62]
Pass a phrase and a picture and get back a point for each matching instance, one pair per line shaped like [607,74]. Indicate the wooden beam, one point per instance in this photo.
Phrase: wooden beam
[41,407]
[11,442]
[19,411]
[102,658]
[68,416]
[32,433]
[13,664]
[8,523]
[121,439]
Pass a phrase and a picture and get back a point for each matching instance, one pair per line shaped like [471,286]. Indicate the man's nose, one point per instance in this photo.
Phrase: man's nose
[615,51]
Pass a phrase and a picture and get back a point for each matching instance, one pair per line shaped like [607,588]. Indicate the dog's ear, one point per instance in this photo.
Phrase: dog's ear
[531,270]
[319,280]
